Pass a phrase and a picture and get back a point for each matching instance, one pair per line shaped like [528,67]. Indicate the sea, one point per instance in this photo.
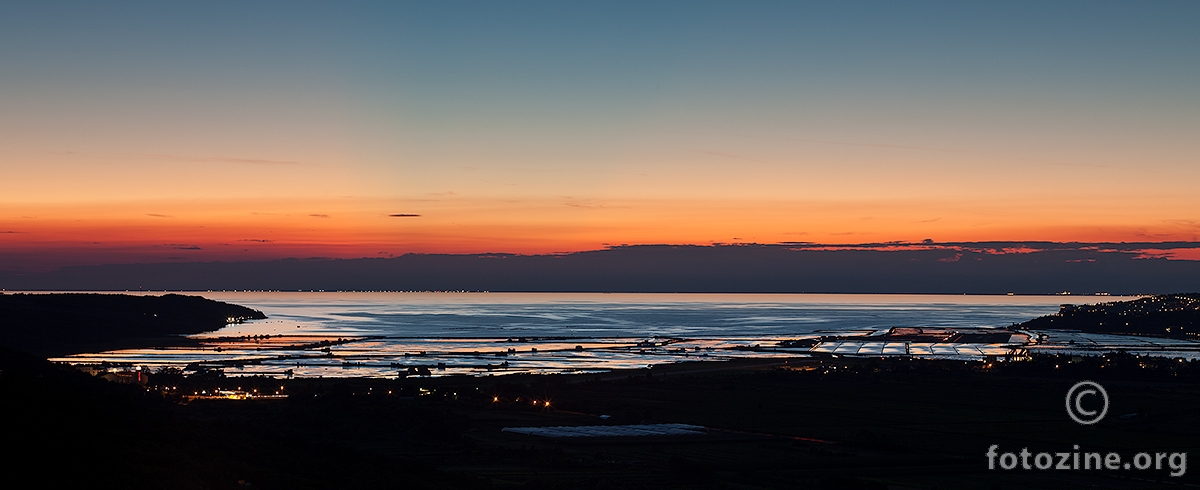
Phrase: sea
[389,334]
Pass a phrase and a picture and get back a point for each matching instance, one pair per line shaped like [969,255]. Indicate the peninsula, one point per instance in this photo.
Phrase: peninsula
[1174,316]
[70,323]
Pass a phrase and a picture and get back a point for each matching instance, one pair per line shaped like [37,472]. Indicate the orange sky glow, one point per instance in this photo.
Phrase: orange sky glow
[237,229]
[138,136]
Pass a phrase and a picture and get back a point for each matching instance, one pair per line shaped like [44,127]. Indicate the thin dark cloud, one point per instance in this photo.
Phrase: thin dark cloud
[319,215]
[585,204]
[1185,223]
[404,215]
[1081,164]
[183,246]
[10,231]
[257,240]
[733,156]
[159,215]
[220,159]
[880,145]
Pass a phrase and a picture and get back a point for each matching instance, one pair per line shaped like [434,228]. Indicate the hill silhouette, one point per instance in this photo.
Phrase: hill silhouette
[68,323]
[1165,315]
[944,268]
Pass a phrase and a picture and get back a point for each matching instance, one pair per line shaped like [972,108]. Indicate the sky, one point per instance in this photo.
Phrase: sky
[139,131]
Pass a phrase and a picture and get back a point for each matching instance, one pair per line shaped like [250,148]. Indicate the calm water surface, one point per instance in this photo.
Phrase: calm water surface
[477,315]
[382,334]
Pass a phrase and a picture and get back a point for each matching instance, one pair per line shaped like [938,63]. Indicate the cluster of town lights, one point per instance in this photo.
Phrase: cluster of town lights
[534,402]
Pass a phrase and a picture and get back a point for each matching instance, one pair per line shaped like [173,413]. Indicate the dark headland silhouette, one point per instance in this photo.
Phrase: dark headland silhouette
[66,323]
[1166,315]
[948,268]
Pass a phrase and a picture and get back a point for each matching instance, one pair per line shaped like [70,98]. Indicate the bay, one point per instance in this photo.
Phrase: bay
[379,334]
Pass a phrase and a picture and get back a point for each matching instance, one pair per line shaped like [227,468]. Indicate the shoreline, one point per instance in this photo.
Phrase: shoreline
[313,356]
[308,354]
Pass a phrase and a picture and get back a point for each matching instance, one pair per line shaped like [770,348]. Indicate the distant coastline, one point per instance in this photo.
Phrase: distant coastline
[879,268]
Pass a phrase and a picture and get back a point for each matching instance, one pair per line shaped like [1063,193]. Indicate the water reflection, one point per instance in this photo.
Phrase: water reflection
[385,334]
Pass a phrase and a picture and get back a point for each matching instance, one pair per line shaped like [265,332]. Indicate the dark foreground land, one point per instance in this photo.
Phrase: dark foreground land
[833,423]
[771,423]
